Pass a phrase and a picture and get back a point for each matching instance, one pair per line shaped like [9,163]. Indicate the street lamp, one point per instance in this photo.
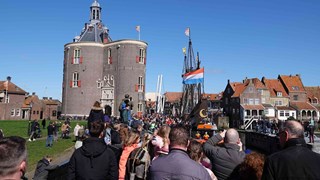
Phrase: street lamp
[29,124]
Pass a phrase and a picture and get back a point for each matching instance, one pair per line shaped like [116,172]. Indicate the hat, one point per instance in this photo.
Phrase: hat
[126,96]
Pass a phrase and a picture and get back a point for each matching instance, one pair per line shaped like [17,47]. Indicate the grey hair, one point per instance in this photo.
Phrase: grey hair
[294,128]
[232,136]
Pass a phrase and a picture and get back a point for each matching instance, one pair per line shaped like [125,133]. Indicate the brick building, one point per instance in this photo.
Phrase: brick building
[96,68]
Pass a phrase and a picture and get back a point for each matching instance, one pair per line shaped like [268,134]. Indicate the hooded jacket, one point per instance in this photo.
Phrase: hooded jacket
[96,114]
[94,160]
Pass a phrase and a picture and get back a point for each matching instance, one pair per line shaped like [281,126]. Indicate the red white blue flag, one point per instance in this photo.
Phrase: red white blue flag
[193,77]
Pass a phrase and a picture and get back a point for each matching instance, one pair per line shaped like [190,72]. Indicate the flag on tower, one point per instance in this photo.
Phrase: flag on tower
[138,28]
[184,50]
[187,32]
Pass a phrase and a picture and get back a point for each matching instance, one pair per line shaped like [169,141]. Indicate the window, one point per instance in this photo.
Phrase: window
[17,112]
[266,111]
[279,94]
[139,107]
[250,89]
[256,101]
[315,101]
[278,103]
[142,57]
[76,56]
[140,85]
[54,113]
[228,90]
[295,97]
[75,82]
[263,100]
[295,88]
[260,91]
[281,113]
[233,111]
[287,113]
[99,84]
[251,101]
[245,101]
[109,56]
[226,100]
[12,112]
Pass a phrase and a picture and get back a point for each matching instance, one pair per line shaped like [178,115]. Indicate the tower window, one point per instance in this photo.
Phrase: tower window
[142,56]
[75,80]
[109,56]
[76,56]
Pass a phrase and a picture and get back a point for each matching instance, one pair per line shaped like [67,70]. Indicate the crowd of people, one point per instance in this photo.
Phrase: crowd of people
[160,147]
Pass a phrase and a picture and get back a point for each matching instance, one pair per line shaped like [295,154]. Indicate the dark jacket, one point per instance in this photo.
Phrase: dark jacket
[94,160]
[224,157]
[43,168]
[296,161]
[96,114]
[50,129]
[177,165]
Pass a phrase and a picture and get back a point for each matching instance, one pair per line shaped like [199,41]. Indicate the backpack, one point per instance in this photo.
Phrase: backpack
[138,163]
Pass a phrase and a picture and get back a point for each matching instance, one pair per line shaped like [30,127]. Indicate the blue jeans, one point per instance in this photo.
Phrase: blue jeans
[49,140]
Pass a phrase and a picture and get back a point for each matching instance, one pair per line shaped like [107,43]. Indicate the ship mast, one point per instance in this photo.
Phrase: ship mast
[191,93]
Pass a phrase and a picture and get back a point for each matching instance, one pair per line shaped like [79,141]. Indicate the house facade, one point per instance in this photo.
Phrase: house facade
[252,100]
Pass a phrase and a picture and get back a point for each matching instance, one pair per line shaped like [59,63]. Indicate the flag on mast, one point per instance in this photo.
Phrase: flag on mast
[138,28]
[187,32]
[193,77]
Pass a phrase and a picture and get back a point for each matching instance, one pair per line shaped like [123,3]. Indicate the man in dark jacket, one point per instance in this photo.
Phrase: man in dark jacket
[43,168]
[225,156]
[296,160]
[177,164]
[94,160]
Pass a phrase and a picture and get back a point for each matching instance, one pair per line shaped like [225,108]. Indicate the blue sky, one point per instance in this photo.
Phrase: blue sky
[235,38]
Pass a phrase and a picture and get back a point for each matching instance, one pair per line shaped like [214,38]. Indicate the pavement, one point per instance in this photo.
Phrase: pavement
[316,144]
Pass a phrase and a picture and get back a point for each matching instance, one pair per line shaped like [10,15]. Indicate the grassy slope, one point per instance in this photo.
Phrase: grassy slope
[37,149]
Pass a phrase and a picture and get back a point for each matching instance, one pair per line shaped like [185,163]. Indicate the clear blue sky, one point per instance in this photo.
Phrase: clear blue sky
[235,38]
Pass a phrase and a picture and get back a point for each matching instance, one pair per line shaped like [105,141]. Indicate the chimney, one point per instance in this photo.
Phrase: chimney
[8,78]
[44,98]
[33,93]
[50,98]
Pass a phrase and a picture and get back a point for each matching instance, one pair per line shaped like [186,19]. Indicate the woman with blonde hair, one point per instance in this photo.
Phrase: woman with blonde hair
[161,141]
[130,143]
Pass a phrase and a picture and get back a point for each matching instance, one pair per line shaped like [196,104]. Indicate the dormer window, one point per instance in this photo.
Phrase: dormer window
[314,101]
[295,88]
[279,94]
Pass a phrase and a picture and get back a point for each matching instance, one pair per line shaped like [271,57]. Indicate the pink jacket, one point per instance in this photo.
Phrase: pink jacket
[123,159]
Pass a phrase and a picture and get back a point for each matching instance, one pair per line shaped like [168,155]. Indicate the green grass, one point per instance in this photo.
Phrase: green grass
[37,149]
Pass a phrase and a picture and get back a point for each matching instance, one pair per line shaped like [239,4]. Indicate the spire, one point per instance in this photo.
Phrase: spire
[95,12]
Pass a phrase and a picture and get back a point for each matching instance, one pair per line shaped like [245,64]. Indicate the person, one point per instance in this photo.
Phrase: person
[122,106]
[34,128]
[251,168]
[13,157]
[1,134]
[43,123]
[177,164]
[311,131]
[43,168]
[129,145]
[49,141]
[296,160]
[126,114]
[81,137]
[96,113]
[93,160]
[195,151]
[160,141]
[226,156]
[76,131]
[65,128]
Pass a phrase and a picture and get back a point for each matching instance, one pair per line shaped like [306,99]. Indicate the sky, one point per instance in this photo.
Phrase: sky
[235,39]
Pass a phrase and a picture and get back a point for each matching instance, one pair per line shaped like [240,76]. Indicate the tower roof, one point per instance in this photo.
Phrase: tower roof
[94,30]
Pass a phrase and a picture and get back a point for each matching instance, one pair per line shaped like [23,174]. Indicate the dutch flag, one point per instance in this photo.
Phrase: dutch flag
[193,77]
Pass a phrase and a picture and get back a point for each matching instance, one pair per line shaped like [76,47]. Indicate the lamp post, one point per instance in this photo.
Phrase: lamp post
[29,124]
